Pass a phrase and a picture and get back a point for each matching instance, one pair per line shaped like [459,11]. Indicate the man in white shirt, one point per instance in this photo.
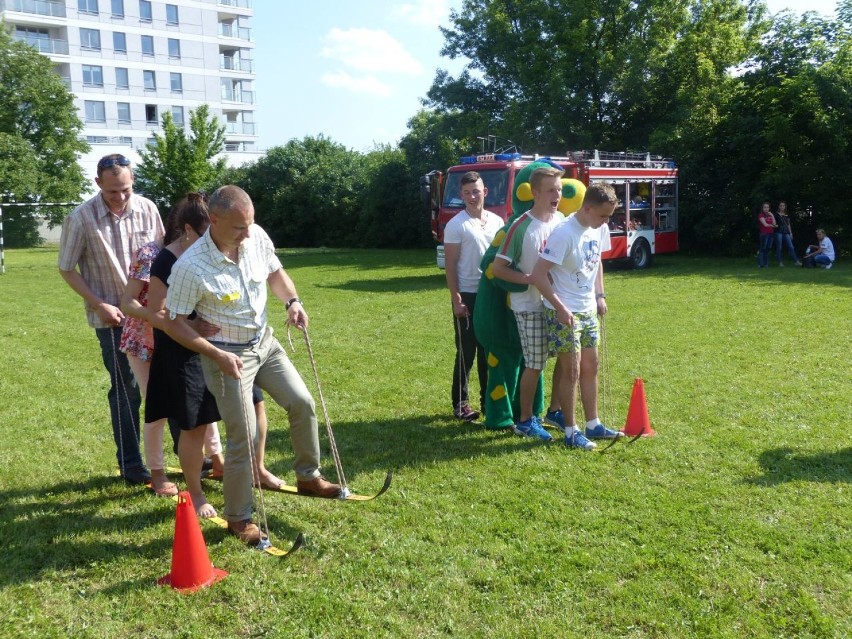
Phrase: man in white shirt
[466,237]
[570,277]
[224,277]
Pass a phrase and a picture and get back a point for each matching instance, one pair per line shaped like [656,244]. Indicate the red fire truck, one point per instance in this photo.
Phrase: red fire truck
[644,222]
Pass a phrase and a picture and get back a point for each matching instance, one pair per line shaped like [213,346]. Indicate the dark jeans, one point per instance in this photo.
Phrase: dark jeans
[124,399]
[468,348]
[763,251]
[782,240]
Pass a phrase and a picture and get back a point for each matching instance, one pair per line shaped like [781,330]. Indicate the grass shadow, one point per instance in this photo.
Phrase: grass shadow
[49,529]
[392,285]
[394,444]
[783,464]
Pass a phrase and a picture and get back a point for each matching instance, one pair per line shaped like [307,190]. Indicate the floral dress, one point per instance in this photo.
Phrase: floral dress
[137,338]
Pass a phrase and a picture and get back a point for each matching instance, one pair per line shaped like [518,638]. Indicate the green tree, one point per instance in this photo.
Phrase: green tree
[558,74]
[785,132]
[308,192]
[39,140]
[392,215]
[178,163]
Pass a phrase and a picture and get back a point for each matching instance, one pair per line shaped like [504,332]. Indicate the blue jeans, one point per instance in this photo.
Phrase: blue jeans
[763,252]
[782,240]
[821,260]
[124,399]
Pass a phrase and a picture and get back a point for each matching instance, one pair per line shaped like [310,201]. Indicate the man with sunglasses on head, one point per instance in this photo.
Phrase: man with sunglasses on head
[98,242]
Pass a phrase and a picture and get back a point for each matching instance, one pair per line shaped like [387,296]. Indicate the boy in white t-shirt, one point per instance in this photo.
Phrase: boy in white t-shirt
[514,262]
[466,238]
[822,254]
[570,277]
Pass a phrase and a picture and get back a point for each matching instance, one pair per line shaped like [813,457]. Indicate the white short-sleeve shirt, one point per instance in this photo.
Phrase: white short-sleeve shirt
[474,236]
[576,252]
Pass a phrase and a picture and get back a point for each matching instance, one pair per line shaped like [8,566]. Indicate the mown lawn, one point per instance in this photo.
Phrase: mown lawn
[733,522]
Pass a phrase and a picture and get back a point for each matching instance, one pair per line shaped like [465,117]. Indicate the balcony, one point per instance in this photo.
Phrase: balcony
[232,31]
[49,46]
[37,7]
[240,4]
[237,95]
[236,64]
[240,128]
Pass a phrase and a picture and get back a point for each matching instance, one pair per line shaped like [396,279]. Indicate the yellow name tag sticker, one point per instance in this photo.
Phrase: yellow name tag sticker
[230,297]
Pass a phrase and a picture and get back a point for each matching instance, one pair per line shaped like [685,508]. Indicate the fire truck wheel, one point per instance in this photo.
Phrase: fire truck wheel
[640,254]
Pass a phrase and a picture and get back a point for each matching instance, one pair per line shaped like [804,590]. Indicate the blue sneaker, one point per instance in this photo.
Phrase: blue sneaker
[532,428]
[576,439]
[602,432]
[555,418]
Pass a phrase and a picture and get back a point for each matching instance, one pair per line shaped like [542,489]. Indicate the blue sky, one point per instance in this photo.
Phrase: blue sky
[355,70]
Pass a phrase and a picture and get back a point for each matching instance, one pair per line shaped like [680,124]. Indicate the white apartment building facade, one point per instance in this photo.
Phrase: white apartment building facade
[129,61]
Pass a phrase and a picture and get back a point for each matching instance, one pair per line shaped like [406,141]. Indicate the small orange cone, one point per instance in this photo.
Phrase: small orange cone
[638,422]
[191,567]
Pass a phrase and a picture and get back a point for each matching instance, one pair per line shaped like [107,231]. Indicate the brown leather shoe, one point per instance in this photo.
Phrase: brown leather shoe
[245,531]
[318,487]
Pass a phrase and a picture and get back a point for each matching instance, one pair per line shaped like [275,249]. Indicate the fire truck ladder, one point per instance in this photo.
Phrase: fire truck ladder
[621,159]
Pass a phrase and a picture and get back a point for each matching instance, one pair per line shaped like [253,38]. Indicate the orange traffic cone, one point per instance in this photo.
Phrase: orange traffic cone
[638,422]
[191,567]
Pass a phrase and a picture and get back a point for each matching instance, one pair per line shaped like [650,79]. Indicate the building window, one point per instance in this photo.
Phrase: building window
[177,115]
[95,111]
[147,45]
[119,42]
[149,80]
[117,8]
[124,112]
[172,14]
[145,14]
[176,82]
[122,78]
[97,139]
[174,48]
[88,6]
[90,39]
[93,75]
[151,114]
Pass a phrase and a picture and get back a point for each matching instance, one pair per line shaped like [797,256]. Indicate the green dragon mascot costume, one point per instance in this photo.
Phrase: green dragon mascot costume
[493,319]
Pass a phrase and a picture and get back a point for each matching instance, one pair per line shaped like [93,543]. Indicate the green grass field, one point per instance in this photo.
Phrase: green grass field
[733,522]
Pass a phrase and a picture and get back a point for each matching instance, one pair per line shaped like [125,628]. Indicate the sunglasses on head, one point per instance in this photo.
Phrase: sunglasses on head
[108,163]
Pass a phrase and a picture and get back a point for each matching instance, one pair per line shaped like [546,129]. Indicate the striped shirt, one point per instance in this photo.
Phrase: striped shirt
[103,244]
[229,295]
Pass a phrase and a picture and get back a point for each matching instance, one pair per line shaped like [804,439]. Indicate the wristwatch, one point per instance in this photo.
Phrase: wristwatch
[290,303]
[601,296]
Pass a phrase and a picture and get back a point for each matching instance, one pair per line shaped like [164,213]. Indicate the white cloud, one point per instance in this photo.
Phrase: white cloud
[369,50]
[361,84]
[427,13]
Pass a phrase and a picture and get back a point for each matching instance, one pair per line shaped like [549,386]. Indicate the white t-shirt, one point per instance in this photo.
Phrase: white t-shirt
[576,252]
[525,238]
[827,248]
[474,236]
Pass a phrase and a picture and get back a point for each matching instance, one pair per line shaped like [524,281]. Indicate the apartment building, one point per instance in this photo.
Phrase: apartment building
[129,61]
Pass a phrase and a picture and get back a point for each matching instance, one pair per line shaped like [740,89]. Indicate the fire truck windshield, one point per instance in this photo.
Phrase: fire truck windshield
[496,181]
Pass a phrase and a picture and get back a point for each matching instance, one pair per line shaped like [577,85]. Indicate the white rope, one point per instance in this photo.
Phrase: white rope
[460,352]
[264,525]
[338,465]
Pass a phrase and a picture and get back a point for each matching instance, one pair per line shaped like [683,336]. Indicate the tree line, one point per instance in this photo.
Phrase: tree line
[752,107]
